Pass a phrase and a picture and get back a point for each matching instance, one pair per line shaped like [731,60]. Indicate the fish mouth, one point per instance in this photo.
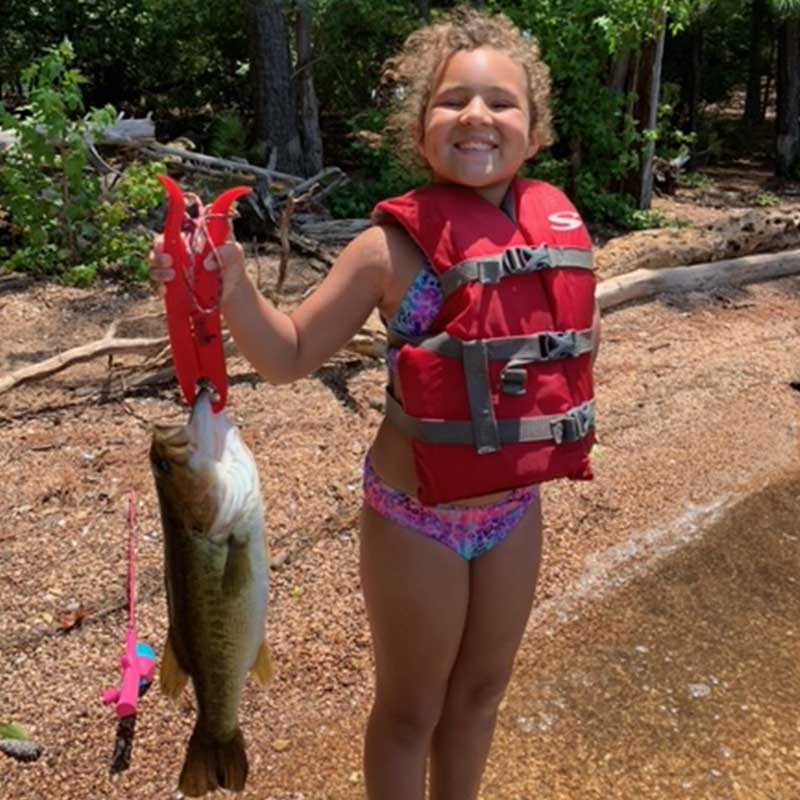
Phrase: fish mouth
[202,438]
[205,468]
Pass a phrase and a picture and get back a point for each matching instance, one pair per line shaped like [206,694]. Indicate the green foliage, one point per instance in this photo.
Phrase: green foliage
[671,141]
[67,225]
[352,39]
[695,180]
[381,176]
[13,730]
[767,200]
[227,135]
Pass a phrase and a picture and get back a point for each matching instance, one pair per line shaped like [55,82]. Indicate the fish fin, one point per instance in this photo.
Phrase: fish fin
[237,568]
[263,668]
[171,675]
[210,765]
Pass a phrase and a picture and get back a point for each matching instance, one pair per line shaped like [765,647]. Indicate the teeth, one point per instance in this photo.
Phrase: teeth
[474,146]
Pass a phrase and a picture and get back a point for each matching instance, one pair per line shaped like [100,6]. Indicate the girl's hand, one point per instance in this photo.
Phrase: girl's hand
[229,258]
[160,267]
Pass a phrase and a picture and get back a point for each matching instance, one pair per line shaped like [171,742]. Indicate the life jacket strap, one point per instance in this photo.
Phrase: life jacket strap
[533,348]
[513,261]
[571,426]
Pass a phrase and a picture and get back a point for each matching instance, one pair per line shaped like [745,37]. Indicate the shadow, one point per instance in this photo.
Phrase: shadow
[123,744]
[13,282]
[337,377]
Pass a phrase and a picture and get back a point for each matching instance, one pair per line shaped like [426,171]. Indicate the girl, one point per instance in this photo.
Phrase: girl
[451,529]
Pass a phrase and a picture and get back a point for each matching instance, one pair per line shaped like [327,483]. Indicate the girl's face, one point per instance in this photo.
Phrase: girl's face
[477,126]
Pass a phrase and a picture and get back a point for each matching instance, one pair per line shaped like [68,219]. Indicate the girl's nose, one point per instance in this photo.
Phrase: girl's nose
[476,112]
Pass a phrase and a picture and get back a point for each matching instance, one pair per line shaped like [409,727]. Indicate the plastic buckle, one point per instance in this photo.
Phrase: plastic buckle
[574,425]
[192,296]
[514,380]
[538,258]
[558,345]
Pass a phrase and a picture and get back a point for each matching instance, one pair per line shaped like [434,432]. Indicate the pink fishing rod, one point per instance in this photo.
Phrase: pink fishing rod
[138,661]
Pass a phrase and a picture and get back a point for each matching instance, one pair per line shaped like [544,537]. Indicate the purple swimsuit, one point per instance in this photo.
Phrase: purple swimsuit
[468,531]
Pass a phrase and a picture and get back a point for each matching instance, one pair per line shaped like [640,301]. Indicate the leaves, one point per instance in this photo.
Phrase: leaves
[68,225]
[13,730]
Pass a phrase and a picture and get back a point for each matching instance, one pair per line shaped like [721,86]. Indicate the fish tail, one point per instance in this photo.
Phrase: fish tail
[210,764]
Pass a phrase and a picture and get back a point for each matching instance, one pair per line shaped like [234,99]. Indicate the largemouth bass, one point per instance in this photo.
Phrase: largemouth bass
[217,582]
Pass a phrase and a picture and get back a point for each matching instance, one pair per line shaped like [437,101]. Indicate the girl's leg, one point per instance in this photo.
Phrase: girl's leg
[416,593]
[502,584]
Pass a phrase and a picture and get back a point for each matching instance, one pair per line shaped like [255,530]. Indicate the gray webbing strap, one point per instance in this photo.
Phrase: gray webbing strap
[572,426]
[513,261]
[476,375]
[545,346]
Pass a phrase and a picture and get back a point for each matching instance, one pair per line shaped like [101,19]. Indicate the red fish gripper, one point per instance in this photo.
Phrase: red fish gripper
[193,295]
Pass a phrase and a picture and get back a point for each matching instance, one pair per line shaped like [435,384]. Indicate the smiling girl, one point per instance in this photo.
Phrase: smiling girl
[485,284]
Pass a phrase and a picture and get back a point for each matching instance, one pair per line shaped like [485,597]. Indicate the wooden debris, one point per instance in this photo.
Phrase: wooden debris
[644,283]
[369,342]
[108,345]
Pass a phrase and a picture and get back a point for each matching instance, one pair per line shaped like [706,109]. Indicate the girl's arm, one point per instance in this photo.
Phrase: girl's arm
[370,272]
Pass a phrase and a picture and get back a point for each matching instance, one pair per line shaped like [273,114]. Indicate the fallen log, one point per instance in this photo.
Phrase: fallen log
[644,283]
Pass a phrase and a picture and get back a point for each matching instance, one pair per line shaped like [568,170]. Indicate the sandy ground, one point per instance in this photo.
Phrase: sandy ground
[699,400]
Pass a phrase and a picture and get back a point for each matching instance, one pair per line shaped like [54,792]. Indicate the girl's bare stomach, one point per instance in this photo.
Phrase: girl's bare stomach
[393,460]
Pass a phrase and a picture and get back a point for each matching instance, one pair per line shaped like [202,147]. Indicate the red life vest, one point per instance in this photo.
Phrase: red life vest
[499,393]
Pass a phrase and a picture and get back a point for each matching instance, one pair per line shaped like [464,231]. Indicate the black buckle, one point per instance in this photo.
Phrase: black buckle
[520,260]
[553,346]
[574,425]
[538,258]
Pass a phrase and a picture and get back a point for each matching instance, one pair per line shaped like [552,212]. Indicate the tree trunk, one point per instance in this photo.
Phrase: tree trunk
[639,97]
[752,103]
[788,97]
[619,72]
[771,70]
[691,77]
[646,188]
[271,67]
[424,9]
[479,4]
[308,120]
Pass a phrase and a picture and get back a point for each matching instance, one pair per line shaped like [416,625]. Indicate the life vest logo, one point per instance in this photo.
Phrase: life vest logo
[565,221]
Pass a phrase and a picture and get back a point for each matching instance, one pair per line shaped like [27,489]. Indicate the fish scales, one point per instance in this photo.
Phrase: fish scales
[216,578]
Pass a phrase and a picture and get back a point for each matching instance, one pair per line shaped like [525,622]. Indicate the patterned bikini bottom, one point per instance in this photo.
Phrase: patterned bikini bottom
[469,531]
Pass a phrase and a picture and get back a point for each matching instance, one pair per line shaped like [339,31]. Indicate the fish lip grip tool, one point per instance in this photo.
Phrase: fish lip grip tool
[193,295]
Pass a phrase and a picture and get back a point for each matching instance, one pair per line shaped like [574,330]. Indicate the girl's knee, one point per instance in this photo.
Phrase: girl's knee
[477,697]
[408,722]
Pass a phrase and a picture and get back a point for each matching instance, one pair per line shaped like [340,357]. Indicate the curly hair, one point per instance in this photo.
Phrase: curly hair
[412,75]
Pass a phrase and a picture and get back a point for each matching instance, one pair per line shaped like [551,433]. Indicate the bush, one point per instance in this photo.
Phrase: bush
[66,223]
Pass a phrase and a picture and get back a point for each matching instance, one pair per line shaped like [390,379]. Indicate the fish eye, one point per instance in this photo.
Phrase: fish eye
[161,466]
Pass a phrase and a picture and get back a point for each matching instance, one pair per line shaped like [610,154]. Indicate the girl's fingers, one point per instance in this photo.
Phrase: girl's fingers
[224,257]
[161,274]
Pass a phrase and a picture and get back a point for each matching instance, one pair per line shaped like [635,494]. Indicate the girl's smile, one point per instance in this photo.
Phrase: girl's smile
[477,126]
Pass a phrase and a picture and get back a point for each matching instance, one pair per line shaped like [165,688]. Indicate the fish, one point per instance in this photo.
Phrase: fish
[217,584]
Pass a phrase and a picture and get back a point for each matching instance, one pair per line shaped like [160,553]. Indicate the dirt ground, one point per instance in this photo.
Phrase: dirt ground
[699,398]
